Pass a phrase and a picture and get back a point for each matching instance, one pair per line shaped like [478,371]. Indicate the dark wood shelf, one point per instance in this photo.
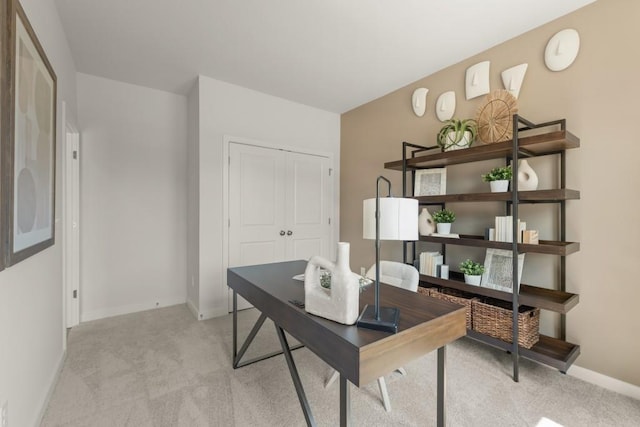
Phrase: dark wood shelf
[550,351]
[549,247]
[530,140]
[537,196]
[534,296]
[536,145]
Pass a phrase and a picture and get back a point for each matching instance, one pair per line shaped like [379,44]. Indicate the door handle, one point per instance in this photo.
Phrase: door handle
[289,233]
[282,232]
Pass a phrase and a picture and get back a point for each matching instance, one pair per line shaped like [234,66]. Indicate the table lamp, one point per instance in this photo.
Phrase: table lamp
[386,218]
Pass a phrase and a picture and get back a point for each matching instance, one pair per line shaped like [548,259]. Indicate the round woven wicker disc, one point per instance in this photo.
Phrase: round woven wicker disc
[495,116]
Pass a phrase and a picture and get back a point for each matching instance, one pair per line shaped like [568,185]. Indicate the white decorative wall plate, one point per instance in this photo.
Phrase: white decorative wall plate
[562,50]
[513,77]
[446,106]
[477,80]
[419,101]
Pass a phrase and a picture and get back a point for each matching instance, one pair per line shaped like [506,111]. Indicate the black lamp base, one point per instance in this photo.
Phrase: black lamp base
[388,322]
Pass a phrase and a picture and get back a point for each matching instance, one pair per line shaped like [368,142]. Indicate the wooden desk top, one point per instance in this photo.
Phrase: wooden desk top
[362,355]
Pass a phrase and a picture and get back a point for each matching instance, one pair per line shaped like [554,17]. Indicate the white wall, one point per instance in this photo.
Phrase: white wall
[31,307]
[226,109]
[133,199]
[193,200]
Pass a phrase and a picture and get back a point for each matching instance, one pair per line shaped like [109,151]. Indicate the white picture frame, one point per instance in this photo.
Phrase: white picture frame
[430,182]
[498,270]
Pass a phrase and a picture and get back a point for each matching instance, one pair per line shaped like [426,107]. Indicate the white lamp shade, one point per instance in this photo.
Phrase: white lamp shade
[398,219]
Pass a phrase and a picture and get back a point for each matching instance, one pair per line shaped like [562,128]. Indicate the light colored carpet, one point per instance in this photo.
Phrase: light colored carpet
[164,368]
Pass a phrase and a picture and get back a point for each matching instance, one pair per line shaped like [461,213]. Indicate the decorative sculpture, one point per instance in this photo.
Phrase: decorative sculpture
[513,77]
[446,106]
[477,80]
[340,302]
[562,49]
[419,101]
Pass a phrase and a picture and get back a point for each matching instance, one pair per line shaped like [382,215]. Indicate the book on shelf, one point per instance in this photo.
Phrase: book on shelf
[503,231]
[490,234]
[430,263]
[449,235]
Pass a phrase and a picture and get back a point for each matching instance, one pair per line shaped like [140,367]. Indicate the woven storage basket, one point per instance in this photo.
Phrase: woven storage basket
[494,318]
[457,297]
[426,291]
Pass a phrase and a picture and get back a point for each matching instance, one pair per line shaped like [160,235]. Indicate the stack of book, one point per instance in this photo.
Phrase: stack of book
[503,231]
[430,263]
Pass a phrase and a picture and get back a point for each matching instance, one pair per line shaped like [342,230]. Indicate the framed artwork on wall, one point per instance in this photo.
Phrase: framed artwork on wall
[28,142]
[430,182]
[4,32]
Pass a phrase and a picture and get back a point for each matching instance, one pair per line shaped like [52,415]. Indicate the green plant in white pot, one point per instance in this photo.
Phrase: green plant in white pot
[443,220]
[498,178]
[457,134]
[472,272]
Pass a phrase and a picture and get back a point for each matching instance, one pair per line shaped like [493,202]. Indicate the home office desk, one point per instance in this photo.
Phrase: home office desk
[359,355]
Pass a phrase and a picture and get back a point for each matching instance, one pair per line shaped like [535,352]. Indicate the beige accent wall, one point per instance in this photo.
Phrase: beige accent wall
[597,94]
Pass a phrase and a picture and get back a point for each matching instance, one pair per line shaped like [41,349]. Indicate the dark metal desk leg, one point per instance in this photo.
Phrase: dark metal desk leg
[306,409]
[345,402]
[442,386]
[235,326]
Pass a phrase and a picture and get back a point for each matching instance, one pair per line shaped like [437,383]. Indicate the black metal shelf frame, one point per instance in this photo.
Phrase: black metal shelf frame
[520,124]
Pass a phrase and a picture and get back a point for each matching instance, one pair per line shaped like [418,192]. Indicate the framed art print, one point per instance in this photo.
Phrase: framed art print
[430,182]
[4,34]
[498,270]
[29,144]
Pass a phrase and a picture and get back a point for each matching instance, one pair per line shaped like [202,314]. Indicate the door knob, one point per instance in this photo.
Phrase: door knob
[282,232]
[289,233]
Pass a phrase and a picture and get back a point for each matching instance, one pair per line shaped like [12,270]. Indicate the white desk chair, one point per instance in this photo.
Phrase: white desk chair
[402,276]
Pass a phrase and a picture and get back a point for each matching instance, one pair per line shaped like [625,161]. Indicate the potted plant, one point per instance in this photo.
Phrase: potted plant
[457,134]
[443,220]
[472,272]
[498,178]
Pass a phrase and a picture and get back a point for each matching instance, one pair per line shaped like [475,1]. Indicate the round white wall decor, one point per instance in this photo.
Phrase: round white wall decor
[562,50]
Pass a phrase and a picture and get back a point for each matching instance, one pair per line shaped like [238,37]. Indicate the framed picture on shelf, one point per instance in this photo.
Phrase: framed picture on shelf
[29,142]
[430,182]
[498,270]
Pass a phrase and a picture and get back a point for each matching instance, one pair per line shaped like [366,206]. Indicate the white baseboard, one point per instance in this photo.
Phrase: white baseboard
[127,309]
[213,312]
[604,381]
[206,314]
[193,309]
[52,386]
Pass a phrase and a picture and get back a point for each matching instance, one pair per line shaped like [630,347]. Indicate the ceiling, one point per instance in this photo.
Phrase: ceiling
[331,54]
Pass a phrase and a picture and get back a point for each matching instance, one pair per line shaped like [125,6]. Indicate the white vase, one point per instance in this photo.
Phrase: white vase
[499,186]
[341,304]
[472,279]
[527,177]
[463,143]
[444,227]
[426,225]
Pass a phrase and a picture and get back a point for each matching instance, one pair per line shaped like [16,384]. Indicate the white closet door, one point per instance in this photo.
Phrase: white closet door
[308,206]
[279,207]
[256,205]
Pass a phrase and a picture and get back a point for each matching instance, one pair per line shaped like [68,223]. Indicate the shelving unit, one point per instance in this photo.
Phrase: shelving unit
[555,352]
